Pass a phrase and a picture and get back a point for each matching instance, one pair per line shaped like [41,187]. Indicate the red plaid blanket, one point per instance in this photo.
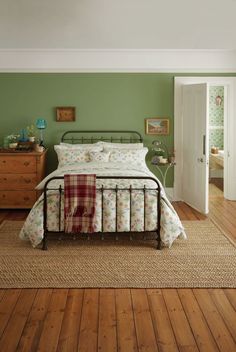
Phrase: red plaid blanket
[79,203]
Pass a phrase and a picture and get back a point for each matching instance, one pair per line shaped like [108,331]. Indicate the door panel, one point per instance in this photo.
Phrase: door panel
[195,146]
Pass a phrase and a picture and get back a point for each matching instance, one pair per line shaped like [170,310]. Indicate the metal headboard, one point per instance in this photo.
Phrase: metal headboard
[95,136]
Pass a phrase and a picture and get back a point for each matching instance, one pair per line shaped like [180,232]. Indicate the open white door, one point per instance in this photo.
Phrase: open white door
[195,146]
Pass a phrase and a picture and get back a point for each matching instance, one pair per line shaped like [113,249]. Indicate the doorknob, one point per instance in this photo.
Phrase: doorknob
[200,160]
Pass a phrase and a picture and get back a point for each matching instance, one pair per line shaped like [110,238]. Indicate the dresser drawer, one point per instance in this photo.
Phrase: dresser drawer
[19,175]
[17,164]
[17,199]
[17,181]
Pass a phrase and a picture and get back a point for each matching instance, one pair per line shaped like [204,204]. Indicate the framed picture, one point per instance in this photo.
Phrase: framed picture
[65,113]
[157,126]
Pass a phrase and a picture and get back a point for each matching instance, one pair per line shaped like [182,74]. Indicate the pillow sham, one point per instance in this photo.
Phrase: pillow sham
[127,155]
[73,155]
[80,146]
[120,145]
[99,156]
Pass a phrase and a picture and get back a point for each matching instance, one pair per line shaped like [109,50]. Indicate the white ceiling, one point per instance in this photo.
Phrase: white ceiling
[118,24]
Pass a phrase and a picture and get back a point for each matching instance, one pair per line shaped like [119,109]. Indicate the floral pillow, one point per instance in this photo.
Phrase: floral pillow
[68,156]
[99,156]
[128,155]
[111,145]
[80,146]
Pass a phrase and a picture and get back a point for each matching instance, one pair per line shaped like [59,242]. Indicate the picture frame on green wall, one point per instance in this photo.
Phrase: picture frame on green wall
[157,126]
[65,114]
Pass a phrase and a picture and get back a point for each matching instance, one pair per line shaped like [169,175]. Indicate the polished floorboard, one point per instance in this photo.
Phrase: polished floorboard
[123,319]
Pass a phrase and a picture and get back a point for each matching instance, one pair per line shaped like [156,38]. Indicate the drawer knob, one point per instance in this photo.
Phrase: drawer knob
[27,180]
[26,163]
[26,198]
[4,161]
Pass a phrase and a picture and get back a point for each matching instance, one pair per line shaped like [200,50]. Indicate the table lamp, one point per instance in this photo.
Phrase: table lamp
[41,124]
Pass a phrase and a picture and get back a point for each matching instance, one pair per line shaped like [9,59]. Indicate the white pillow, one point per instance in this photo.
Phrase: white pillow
[99,156]
[73,155]
[80,146]
[120,145]
[127,155]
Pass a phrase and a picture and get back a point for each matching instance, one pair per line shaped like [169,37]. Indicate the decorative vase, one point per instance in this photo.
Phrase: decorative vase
[13,145]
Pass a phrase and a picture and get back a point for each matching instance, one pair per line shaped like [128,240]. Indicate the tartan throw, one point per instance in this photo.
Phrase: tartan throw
[79,203]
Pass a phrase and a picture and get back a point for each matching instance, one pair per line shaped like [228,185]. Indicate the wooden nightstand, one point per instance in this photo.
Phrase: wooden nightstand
[19,175]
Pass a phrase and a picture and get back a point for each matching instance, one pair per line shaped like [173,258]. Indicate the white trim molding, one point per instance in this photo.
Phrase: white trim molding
[104,60]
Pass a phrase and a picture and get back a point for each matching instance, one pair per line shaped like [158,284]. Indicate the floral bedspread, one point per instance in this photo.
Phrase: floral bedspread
[171,227]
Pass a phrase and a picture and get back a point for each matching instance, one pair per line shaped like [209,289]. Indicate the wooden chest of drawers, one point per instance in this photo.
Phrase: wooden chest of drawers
[19,175]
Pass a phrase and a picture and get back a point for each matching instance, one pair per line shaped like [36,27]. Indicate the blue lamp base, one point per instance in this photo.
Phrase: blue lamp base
[41,124]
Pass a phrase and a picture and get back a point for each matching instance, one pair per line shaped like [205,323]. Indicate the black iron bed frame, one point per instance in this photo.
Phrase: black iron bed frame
[47,188]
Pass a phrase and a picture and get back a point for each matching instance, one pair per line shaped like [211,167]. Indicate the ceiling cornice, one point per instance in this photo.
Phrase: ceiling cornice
[106,60]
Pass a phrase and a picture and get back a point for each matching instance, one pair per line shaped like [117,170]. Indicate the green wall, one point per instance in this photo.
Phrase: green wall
[102,100]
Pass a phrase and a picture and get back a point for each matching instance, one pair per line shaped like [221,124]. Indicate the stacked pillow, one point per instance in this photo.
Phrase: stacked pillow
[125,152]
[123,155]
[111,145]
[100,152]
[73,153]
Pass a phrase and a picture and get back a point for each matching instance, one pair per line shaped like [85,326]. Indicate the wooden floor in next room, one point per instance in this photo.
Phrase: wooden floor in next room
[123,319]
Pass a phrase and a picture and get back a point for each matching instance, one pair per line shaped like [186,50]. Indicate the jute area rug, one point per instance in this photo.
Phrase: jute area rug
[206,259]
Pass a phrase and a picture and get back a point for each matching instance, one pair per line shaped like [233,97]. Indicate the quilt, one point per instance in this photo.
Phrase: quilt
[171,226]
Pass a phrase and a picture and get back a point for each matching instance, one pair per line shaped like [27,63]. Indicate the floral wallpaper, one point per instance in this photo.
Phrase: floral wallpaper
[216,117]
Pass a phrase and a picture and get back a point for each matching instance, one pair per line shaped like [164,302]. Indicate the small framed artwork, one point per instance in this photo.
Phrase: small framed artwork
[65,113]
[158,126]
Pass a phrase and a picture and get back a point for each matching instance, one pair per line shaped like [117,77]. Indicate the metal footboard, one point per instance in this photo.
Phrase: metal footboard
[60,190]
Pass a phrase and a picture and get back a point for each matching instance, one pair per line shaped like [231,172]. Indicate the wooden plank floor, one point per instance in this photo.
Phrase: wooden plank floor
[122,319]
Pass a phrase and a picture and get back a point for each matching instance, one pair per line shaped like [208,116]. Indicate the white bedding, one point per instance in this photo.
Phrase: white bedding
[171,227]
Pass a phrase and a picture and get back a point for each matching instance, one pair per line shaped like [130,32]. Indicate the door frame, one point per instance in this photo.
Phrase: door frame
[229,127]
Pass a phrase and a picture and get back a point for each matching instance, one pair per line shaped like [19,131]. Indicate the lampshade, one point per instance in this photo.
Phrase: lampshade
[41,124]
